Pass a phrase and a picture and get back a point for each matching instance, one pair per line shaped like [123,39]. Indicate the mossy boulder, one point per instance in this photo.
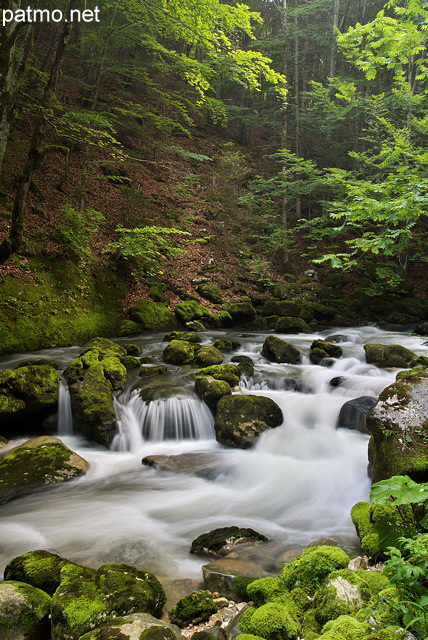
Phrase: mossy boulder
[246,365]
[92,378]
[210,292]
[37,463]
[345,627]
[191,310]
[129,362]
[277,350]
[230,373]
[24,612]
[178,352]
[287,308]
[141,626]
[331,350]
[226,345]
[376,525]
[291,325]
[208,356]
[399,429]
[241,312]
[390,355]
[271,621]
[344,593]
[157,370]
[36,362]
[151,316]
[265,590]
[39,568]
[132,349]
[87,598]
[187,336]
[240,419]
[219,542]
[211,390]
[27,391]
[194,608]
[312,567]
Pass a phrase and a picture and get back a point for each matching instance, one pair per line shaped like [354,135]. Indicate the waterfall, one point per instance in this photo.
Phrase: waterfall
[65,417]
[181,416]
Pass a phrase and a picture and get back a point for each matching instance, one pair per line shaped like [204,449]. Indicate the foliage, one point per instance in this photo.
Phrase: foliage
[146,247]
[77,231]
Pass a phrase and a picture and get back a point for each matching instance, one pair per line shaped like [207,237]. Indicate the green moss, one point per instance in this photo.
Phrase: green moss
[128,328]
[219,539]
[178,352]
[376,580]
[332,350]
[286,324]
[152,316]
[225,345]
[310,626]
[277,350]
[345,628]
[312,567]
[228,372]
[187,336]
[272,621]
[208,356]
[27,390]
[245,364]
[210,291]
[330,601]
[193,608]
[132,349]
[29,613]
[240,586]
[265,590]
[148,372]
[248,636]
[389,355]
[190,310]
[129,362]
[211,390]
[287,308]
[240,419]
[39,568]
[241,312]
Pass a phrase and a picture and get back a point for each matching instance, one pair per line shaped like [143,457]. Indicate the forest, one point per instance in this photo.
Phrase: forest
[213,320]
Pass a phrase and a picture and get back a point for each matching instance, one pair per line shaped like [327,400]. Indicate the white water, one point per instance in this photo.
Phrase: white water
[295,485]
[65,417]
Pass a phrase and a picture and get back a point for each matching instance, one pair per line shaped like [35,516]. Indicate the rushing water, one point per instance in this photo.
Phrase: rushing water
[295,485]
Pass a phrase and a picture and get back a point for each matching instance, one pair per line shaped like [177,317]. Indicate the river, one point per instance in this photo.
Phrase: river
[297,484]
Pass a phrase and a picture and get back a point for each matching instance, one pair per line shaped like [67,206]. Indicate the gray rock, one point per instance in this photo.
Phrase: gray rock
[24,612]
[389,355]
[277,350]
[132,626]
[353,413]
[240,419]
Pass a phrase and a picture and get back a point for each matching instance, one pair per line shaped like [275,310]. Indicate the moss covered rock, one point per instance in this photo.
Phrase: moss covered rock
[288,308]
[312,567]
[287,324]
[240,419]
[219,542]
[230,373]
[265,590]
[129,362]
[27,391]
[148,372]
[92,378]
[151,316]
[376,525]
[141,626]
[187,336]
[272,621]
[345,627]
[246,365]
[277,350]
[178,352]
[132,349]
[39,568]
[389,355]
[344,593]
[193,608]
[241,312]
[211,390]
[24,612]
[87,598]
[37,463]
[332,350]
[226,345]
[398,426]
[191,310]
[208,356]
[210,292]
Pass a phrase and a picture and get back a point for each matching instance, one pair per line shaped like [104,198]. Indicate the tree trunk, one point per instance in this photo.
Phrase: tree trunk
[284,211]
[333,52]
[36,152]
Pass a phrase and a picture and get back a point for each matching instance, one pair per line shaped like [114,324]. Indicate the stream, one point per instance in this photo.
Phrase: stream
[296,485]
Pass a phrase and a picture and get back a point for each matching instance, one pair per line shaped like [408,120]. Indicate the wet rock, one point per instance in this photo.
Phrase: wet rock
[287,308]
[220,542]
[39,568]
[132,349]
[353,414]
[226,345]
[211,390]
[210,292]
[191,310]
[228,372]
[331,350]
[338,337]
[336,382]
[246,365]
[37,362]
[187,336]
[24,612]
[208,356]
[195,325]
[92,378]
[389,355]
[421,329]
[37,463]
[149,372]
[99,595]
[27,391]
[202,465]
[129,362]
[178,352]
[277,350]
[398,424]
[193,608]
[149,316]
[242,311]
[291,325]
[240,419]
[135,625]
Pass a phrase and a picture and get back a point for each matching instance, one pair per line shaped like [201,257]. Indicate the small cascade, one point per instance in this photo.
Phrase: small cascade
[65,416]
[181,416]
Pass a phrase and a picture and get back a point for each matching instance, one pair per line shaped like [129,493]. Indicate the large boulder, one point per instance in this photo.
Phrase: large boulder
[242,311]
[208,356]
[196,607]
[187,336]
[230,373]
[220,542]
[39,568]
[390,355]
[87,598]
[277,350]
[37,463]
[353,414]
[240,419]
[150,316]
[398,424]
[92,378]
[178,352]
[24,612]
[27,391]
[291,325]
[211,390]
[137,625]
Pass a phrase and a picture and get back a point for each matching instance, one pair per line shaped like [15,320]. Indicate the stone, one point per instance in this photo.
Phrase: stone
[240,419]
[230,373]
[389,355]
[312,567]
[277,350]
[353,414]
[246,365]
[291,325]
[287,308]
[87,598]
[399,428]
[191,310]
[136,625]
[178,352]
[149,372]
[132,349]
[210,292]
[208,356]
[187,336]
[211,390]
[39,568]
[241,312]
[220,542]
[226,345]
[195,325]
[202,465]
[38,463]
[332,350]
[24,612]
[27,391]
[150,316]
[193,608]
